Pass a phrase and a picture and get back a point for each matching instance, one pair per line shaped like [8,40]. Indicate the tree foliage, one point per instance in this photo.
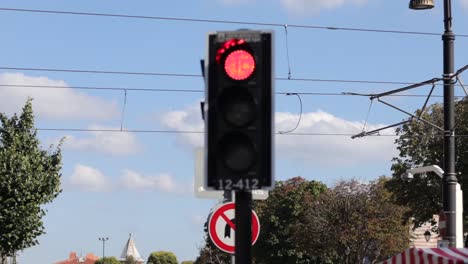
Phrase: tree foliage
[108,260]
[420,144]
[162,257]
[351,222]
[305,222]
[210,254]
[29,178]
[278,215]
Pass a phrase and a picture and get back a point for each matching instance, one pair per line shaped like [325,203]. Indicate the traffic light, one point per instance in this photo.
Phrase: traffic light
[239,115]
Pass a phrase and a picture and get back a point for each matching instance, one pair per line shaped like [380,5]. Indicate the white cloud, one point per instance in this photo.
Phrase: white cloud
[331,150]
[323,150]
[133,180]
[188,119]
[63,103]
[115,143]
[304,7]
[89,179]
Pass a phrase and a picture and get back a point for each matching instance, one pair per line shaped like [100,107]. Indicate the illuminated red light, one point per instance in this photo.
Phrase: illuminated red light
[239,65]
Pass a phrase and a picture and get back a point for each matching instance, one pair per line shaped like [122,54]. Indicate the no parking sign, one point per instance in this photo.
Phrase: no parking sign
[222,227]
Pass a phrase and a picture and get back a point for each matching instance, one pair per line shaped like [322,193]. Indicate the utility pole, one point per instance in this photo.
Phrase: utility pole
[450,178]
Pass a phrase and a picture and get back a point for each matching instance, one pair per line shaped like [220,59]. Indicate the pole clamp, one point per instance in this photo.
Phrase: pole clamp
[449,77]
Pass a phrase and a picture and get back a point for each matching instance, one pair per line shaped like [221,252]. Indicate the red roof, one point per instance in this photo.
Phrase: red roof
[74,259]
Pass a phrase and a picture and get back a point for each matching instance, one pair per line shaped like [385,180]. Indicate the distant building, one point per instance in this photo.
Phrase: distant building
[418,240]
[130,250]
[75,259]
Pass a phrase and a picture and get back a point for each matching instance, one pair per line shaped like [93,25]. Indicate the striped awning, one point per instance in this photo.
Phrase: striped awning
[430,256]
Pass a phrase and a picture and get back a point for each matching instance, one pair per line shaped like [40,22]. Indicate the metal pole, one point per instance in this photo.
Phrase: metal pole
[449,179]
[227,196]
[103,248]
[243,237]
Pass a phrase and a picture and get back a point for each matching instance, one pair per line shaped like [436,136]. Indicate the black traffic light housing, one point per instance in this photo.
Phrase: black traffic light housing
[239,114]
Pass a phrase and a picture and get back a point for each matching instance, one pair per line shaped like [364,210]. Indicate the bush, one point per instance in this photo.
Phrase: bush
[107,260]
[162,257]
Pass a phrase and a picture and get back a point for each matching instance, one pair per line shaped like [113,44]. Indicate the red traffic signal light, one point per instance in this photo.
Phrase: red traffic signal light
[239,65]
[237,60]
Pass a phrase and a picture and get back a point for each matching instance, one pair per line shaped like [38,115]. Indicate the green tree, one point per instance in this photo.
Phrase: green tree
[29,178]
[130,260]
[108,260]
[162,257]
[278,215]
[350,222]
[420,144]
[210,254]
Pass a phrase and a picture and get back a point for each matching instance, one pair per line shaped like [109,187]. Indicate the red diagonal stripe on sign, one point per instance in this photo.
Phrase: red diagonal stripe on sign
[228,221]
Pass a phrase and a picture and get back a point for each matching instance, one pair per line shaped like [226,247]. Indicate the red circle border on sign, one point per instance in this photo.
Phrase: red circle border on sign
[212,227]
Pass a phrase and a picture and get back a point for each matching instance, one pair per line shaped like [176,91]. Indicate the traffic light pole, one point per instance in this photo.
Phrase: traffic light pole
[243,238]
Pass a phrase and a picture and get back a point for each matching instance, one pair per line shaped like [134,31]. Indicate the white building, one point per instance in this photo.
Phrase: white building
[418,240]
[130,250]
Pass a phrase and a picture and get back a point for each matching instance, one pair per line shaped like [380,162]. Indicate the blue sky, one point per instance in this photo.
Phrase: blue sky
[115,183]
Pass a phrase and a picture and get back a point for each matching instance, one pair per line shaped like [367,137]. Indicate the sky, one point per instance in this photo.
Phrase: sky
[141,182]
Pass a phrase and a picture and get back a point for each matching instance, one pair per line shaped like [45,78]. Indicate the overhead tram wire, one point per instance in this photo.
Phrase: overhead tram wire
[5,85]
[101,88]
[216,21]
[191,75]
[201,132]
[188,132]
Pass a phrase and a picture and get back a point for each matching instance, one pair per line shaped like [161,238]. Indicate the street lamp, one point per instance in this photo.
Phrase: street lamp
[449,181]
[427,235]
[458,212]
[103,239]
[421,4]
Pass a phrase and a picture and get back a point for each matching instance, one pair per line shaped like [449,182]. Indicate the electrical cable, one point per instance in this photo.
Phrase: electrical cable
[300,115]
[123,110]
[367,116]
[406,88]
[197,75]
[201,132]
[189,75]
[287,50]
[181,19]
[182,131]
[193,90]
